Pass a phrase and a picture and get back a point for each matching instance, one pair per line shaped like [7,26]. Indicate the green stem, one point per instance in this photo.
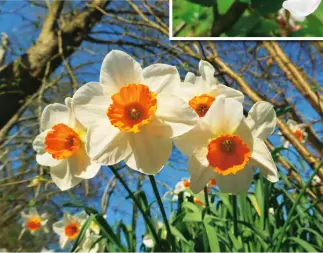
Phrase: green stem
[206,196]
[300,195]
[161,206]
[148,222]
[235,223]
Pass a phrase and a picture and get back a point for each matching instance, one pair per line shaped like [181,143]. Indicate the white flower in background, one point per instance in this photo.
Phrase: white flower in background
[3,250]
[34,222]
[283,20]
[200,92]
[132,114]
[271,211]
[232,146]
[69,227]
[298,130]
[316,180]
[148,241]
[92,244]
[301,8]
[61,146]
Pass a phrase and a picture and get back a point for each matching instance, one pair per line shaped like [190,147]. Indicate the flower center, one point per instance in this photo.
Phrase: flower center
[186,183]
[62,142]
[72,230]
[228,154]
[212,182]
[133,106]
[201,104]
[298,133]
[33,224]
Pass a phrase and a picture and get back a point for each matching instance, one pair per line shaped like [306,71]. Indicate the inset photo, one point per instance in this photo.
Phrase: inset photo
[250,19]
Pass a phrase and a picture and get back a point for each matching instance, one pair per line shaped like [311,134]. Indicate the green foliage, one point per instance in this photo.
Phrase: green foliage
[258,20]
[267,219]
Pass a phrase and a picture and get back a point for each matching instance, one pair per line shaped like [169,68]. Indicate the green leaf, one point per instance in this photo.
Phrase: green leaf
[211,234]
[304,244]
[265,6]
[207,3]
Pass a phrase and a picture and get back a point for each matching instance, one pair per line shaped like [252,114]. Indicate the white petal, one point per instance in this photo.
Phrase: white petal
[235,183]
[90,104]
[187,91]
[245,134]
[190,77]
[206,69]
[54,114]
[148,241]
[59,227]
[262,120]
[119,69]
[195,138]
[301,8]
[149,153]
[224,115]
[81,217]
[63,177]
[227,92]
[174,117]
[63,241]
[161,78]
[199,169]
[106,144]
[262,159]
[33,211]
[42,157]
[81,166]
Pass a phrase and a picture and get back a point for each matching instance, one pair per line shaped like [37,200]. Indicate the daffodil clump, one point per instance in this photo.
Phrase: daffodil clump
[134,115]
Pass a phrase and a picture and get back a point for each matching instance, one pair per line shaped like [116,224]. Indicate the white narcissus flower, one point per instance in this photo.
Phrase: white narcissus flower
[61,146]
[282,18]
[301,8]
[148,241]
[233,146]
[200,92]
[69,227]
[92,244]
[298,131]
[132,114]
[33,222]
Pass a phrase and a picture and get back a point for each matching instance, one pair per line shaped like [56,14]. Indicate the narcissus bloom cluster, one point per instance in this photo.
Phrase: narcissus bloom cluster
[134,114]
[34,222]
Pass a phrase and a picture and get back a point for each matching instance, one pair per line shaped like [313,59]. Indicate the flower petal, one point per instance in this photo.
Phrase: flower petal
[199,169]
[119,69]
[224,115]
[106,144]
[262,120]
[161,78]
[262,159]
[227,92]
[58,227]
[90,104]
[63,241]
[52,115]
[195,138]
[81,166]
[148,241]
[42,157]
[63,177]
[235,183]
[149,153]
[190,78]
[301,8]
[174,117]
[187,91]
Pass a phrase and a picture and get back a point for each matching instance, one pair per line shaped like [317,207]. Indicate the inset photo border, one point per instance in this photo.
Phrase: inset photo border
[245,20]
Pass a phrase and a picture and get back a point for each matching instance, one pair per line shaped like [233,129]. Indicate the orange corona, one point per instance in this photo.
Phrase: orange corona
[33,224]
[228,154]
[186,183]
[62,142]
[133,106]
[72,230]
[298,133]
[201,104]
